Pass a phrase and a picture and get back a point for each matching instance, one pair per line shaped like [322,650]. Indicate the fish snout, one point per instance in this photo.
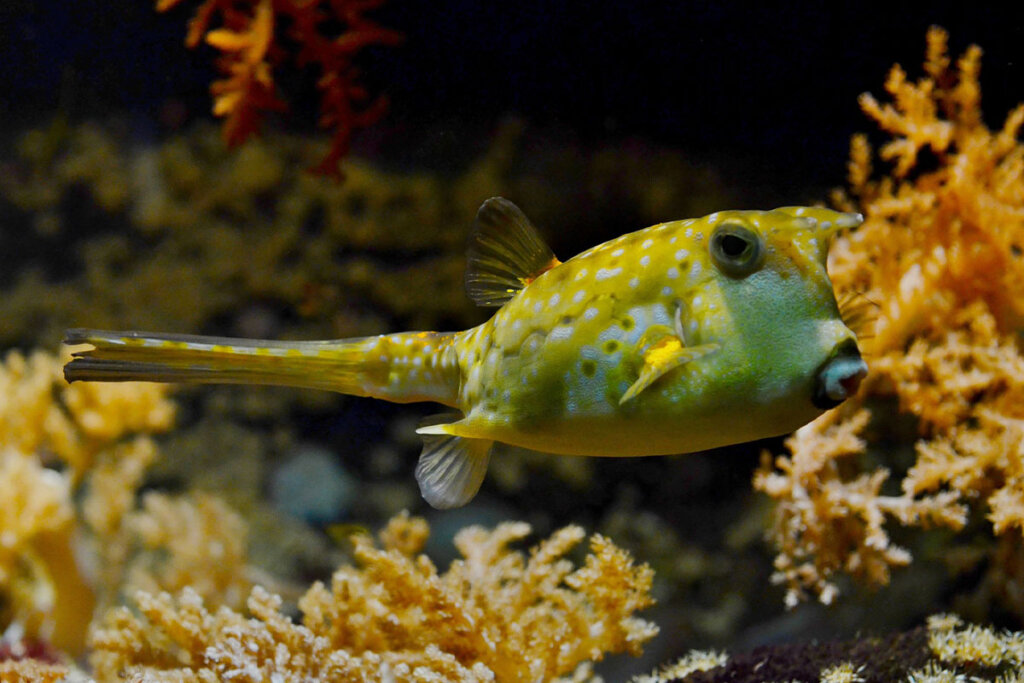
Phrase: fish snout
[840,376]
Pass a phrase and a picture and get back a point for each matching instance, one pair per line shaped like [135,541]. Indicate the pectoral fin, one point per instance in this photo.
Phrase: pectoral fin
[661,356]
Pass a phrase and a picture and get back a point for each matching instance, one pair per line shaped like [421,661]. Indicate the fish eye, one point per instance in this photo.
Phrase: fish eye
[736,250]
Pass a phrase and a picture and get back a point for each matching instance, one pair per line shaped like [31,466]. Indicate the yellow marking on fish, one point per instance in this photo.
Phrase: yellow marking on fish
[684,336]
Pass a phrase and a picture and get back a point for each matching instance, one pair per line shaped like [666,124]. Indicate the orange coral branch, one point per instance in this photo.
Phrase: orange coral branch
[258,38]
[940,252]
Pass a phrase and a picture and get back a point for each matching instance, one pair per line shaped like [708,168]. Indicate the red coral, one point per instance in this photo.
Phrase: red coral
[259,37]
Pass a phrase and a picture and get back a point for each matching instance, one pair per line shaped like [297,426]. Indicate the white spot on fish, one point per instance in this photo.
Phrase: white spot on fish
[645,260]
[689,232]
[561,333]
[634,282]
[681,254]
[517,324]
[695,269]
[712,218]
[590,313]
[647,244]
[605,273]
[697,302]
[799,211]
[672,273]
[555,298]
[618,252]
[666,291]
[579,296]
[538,307]
[581,274]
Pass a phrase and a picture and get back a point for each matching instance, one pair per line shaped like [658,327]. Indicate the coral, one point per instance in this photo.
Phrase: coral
[32,671]
[697,660]
[946,651]
[494,615]
[938,256]
[258,38]
[194,541]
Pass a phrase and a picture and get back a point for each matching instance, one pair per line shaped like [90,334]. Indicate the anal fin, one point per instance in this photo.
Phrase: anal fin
[451,468]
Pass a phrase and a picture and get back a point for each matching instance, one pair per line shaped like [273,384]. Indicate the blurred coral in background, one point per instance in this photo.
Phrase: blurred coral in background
[939,257]
[258,38]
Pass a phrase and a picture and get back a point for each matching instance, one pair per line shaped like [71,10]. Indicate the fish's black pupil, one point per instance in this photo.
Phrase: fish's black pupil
[732,245]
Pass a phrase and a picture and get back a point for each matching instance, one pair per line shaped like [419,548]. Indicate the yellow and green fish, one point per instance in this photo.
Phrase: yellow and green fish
[681,337]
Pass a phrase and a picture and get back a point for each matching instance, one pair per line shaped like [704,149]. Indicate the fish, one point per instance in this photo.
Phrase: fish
[681,337]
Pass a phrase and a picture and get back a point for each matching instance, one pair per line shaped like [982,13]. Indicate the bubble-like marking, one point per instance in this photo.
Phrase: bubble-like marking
[666,291]
[517,324]
[673,239]
[697,301]
[647,244]
[607,273]
[672,273]
[634,282]
[800,211]
[689,232]
[555,298]
[538,306]
[618,252]
[712,218]
[695,269]
[681,254]
[582,273]
[645,260]
[506,396]
[579,296]
[591,313]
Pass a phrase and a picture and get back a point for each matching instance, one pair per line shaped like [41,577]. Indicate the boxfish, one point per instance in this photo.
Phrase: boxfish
[681,337]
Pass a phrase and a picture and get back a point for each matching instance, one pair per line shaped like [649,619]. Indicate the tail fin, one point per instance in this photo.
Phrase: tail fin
[364,366]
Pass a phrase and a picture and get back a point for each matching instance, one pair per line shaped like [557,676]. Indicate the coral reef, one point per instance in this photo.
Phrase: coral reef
[939,258]
[46,424]
[494,615]
[947,650]
[257,38]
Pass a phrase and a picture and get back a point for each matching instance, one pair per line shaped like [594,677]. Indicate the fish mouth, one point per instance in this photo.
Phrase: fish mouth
[839,377]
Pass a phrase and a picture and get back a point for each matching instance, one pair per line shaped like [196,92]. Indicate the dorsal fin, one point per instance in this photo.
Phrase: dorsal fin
[506,253]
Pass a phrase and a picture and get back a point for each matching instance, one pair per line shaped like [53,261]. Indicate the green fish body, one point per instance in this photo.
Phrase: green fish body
[677,338]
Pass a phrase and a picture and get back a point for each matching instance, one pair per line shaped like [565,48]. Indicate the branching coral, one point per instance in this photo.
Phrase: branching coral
[258,37]
[494,615]
[940,255]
